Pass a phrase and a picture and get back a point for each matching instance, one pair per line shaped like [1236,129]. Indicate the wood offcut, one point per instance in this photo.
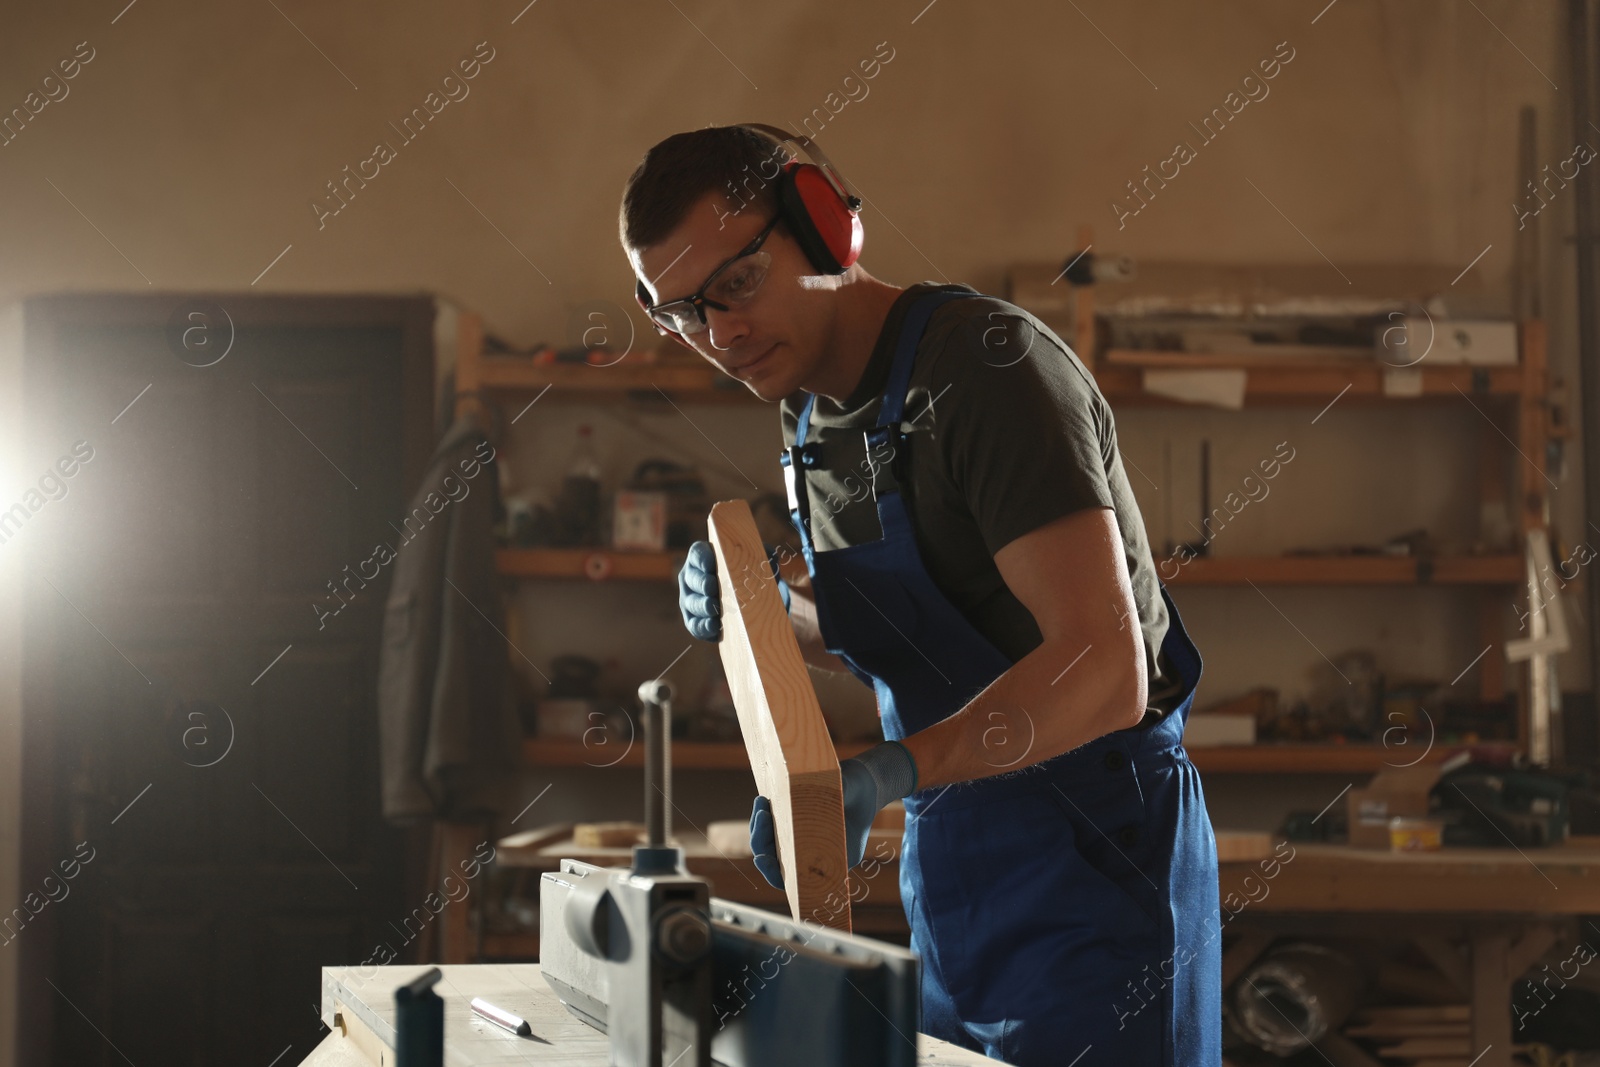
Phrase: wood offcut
[791,755]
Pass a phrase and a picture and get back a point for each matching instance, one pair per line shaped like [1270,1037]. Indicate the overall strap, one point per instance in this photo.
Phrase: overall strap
[798,456]
[887,437]
[894,394]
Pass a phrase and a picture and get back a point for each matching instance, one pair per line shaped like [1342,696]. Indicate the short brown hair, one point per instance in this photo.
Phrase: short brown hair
[678,171]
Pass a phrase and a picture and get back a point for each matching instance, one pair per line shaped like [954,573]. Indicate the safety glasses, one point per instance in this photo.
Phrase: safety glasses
[732,285]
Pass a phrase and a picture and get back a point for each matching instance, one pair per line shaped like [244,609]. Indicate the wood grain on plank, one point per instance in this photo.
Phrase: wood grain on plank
[791,755]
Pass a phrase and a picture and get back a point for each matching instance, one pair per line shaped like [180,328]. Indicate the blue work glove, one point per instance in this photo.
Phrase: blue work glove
[700,595]
[873,780]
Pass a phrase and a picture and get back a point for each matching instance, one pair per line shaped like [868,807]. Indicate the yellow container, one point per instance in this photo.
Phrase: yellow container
[1415,835]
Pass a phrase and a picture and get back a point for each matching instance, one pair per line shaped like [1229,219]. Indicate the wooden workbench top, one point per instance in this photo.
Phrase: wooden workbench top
[363,1032]
[1560,880]
[1268,876]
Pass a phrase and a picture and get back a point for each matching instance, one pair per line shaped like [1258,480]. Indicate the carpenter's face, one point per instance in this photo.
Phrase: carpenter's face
[771,337]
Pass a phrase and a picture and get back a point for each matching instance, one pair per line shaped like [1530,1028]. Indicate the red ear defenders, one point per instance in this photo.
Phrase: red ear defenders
[816,206]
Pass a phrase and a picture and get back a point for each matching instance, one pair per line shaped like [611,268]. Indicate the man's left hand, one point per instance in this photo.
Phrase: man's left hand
[876,778]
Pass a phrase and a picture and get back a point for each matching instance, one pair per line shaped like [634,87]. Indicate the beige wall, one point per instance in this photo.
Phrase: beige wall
[196,139]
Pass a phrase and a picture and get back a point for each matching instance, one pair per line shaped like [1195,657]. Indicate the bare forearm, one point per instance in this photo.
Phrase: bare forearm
[1051,701]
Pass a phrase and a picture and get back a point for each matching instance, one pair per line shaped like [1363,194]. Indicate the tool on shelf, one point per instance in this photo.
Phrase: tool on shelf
[1547,626]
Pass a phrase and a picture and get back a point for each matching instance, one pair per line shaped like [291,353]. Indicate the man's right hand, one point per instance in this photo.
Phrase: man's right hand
[764,843]
[699,594]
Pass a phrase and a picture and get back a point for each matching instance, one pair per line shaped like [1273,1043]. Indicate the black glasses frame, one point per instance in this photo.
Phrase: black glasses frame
[697,300]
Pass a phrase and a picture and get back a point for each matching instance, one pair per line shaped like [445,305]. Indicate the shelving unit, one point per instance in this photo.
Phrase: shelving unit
[698,755]
[1312,382]
[1263,758]
[512,376]
[596,564]
[1514,393]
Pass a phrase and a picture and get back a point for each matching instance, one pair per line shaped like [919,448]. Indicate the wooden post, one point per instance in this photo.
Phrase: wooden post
[1532,431]
[469,361]
[1491,1008]
[1083,311]
[457,931]
[791,754]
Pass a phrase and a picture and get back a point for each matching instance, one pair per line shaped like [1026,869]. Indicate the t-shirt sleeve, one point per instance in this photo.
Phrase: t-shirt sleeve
[1023,431]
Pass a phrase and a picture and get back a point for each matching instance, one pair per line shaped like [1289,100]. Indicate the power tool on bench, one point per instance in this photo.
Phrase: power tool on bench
[678,978]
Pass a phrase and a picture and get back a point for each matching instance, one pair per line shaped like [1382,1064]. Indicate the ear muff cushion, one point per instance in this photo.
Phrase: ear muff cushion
[828,232]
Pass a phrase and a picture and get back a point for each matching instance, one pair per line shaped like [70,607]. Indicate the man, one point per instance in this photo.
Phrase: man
[977,557]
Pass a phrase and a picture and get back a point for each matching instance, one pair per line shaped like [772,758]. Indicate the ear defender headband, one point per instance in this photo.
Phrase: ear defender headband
[815,204]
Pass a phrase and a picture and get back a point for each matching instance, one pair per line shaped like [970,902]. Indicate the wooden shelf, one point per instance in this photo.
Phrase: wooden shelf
[1303,382]
[1266,758]
[682,380]
[599,564]
[1342,570]
[1269,758]
[686,755]
[595,564]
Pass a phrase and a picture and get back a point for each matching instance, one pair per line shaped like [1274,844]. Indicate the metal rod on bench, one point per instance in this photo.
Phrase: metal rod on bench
[657,699]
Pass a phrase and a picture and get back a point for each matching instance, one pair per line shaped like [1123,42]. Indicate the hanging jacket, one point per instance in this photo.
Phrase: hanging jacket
[447,725]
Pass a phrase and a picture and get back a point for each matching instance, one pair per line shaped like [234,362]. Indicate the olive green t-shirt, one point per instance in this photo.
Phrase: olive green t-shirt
[1007,432]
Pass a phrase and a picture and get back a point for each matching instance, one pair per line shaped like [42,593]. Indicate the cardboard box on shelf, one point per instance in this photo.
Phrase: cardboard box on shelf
[1392,791]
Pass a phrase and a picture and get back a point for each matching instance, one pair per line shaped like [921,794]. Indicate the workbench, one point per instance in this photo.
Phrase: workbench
[1482,916]
[358,1007]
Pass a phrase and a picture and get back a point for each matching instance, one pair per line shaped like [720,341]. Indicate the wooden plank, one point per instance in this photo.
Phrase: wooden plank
[607,834]
[1532,429]
[1491,985]
[1276,356]
[457,936]
[785,734]
[528,842]
[1320,383]
[355,1036]
[468,366]
[594,564]
[686,755]
[1431,1013]
[335,1051]
[1242,846]
[1428,1046]
[1396,1031]
[1505,569]
[519,374]
[1456,881]
[1274,758]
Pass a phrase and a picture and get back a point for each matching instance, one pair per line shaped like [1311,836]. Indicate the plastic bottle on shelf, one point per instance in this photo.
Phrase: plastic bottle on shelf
[580,491]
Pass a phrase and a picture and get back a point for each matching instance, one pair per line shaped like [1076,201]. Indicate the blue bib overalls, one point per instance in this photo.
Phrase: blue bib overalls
[1068,909]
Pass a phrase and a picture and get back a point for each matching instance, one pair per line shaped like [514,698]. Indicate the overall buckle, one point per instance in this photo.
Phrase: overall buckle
[882,445]
[793,459]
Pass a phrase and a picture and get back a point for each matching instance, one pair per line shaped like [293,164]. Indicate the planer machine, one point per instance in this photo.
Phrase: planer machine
[677,978]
